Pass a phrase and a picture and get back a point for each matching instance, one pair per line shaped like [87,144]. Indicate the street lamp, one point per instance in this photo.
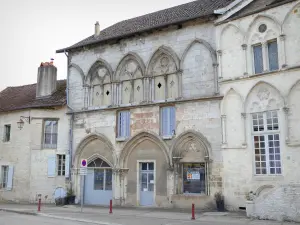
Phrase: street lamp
[21,121]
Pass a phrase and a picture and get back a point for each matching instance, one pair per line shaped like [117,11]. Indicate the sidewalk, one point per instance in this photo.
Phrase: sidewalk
[129,216]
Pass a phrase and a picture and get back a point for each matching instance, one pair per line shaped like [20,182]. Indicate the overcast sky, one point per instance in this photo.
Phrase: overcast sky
[32,30]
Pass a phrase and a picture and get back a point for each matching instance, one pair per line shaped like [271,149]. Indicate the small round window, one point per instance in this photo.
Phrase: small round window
[262,28]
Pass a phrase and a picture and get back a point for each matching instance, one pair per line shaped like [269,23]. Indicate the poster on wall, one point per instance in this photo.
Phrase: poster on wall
[193,175]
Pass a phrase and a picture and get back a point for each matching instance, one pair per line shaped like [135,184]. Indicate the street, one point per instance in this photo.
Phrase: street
[8,218]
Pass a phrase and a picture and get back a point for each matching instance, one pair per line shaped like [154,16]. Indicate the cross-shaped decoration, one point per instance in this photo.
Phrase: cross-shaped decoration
[159,85]
[138,88]
[107,93]
[126,89]
[172,83]
[97,94]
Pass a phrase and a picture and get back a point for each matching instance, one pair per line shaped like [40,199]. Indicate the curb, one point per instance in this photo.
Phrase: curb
[19,212]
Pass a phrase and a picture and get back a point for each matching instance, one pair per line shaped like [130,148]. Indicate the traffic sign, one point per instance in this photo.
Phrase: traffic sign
[83,171]
[83,163]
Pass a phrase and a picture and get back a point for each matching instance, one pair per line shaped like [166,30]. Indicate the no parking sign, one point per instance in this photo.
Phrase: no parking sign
[83,167]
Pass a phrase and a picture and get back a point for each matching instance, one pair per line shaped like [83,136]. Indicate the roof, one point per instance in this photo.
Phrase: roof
[24,97]
[159,19]
[258,6]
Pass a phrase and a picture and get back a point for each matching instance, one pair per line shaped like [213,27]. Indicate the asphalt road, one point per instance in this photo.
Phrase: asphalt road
[18,219]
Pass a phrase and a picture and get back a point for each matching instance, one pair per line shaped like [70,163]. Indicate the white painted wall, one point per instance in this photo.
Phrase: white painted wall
[26,154]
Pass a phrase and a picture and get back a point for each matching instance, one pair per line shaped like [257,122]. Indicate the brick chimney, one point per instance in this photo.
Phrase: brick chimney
[46,80]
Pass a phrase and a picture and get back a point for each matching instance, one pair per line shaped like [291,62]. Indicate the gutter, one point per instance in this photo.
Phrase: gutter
[221,11]
[70,151]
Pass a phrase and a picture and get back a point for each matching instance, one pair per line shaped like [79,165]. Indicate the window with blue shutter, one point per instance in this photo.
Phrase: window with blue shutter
[124,124]
[258,58]
[167,122]
[10,176]
[273,55]
[51,165]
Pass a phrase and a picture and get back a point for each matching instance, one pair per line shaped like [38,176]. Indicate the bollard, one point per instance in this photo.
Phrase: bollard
[193,211]
[39,205]
[110,207]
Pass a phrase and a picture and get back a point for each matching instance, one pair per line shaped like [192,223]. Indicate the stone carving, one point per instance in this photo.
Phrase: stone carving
[192,147]
[263,94]
[163,64]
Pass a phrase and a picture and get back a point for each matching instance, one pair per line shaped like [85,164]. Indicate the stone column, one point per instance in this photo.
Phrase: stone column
[244,116]
[224,138]
[216,78]
[166,86]
[113,93]
[265,56]
[120,93]
[179,77]
[152,89]
[122,175]
[282,52]
[220,64]
[101,94]
[244,47]
[287,131]
[132,91]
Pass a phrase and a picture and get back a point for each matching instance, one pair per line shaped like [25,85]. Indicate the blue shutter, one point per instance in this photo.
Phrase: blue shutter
[172,119]
[51,165]
[128,124]
[273,55]
[165,121]
[258,59]
[10,176]
[67,166]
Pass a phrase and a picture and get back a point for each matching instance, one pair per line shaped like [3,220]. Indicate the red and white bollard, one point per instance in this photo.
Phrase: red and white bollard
[110,207]
[193,212]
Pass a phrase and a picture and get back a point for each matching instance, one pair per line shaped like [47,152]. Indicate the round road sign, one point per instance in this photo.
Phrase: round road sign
[83,162]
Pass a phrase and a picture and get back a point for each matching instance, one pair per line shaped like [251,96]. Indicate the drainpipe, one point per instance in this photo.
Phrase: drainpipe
[70,126]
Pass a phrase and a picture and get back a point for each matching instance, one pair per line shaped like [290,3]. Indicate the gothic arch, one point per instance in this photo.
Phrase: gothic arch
[203,42]
[96,156]
[225,28]
[288,14]
[78,69]
[89,139]
[130,56]
[265,97]
[292,88]
[139,138]
[99,63]
[268,17]
[226,94]
[162,50]
[185,137]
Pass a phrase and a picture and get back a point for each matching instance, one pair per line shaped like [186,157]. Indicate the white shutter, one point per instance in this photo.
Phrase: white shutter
[10,176]
[67,166]
[51,165]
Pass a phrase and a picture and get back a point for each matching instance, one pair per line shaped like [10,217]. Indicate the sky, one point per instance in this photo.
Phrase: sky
[31,31]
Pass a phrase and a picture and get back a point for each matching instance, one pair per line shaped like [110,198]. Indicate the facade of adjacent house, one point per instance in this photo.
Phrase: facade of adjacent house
[173,106]
[259,79]
[34,139]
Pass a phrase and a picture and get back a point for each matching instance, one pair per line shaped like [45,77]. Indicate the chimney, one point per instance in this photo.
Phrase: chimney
[97,29]
[46,80]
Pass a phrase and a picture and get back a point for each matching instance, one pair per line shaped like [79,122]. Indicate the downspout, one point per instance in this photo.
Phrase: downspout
[70,126]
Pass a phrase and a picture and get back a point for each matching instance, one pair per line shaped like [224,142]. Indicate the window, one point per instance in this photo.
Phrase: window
[167,124]
[273,55]
[102,175]
[194,178]
[124,124]
[50,134]
[258,58]
[7,129]
[4,176]
[266,139]
[61,165]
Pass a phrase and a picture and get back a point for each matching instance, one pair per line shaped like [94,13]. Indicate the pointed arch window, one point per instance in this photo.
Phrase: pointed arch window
[102,174]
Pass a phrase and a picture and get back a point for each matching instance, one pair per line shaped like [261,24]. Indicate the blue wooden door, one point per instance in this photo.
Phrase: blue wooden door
[147,184]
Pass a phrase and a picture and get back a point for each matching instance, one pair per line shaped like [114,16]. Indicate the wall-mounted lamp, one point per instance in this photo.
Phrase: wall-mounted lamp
[21,121]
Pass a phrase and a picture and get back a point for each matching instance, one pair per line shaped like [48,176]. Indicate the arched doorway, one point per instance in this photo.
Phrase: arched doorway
[98,183]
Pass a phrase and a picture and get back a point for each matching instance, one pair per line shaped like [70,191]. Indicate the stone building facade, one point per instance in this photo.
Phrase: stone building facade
[34,139]
[260,109]
[171,111]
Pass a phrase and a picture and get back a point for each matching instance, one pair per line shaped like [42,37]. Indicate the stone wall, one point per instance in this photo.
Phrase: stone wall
[281,203]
